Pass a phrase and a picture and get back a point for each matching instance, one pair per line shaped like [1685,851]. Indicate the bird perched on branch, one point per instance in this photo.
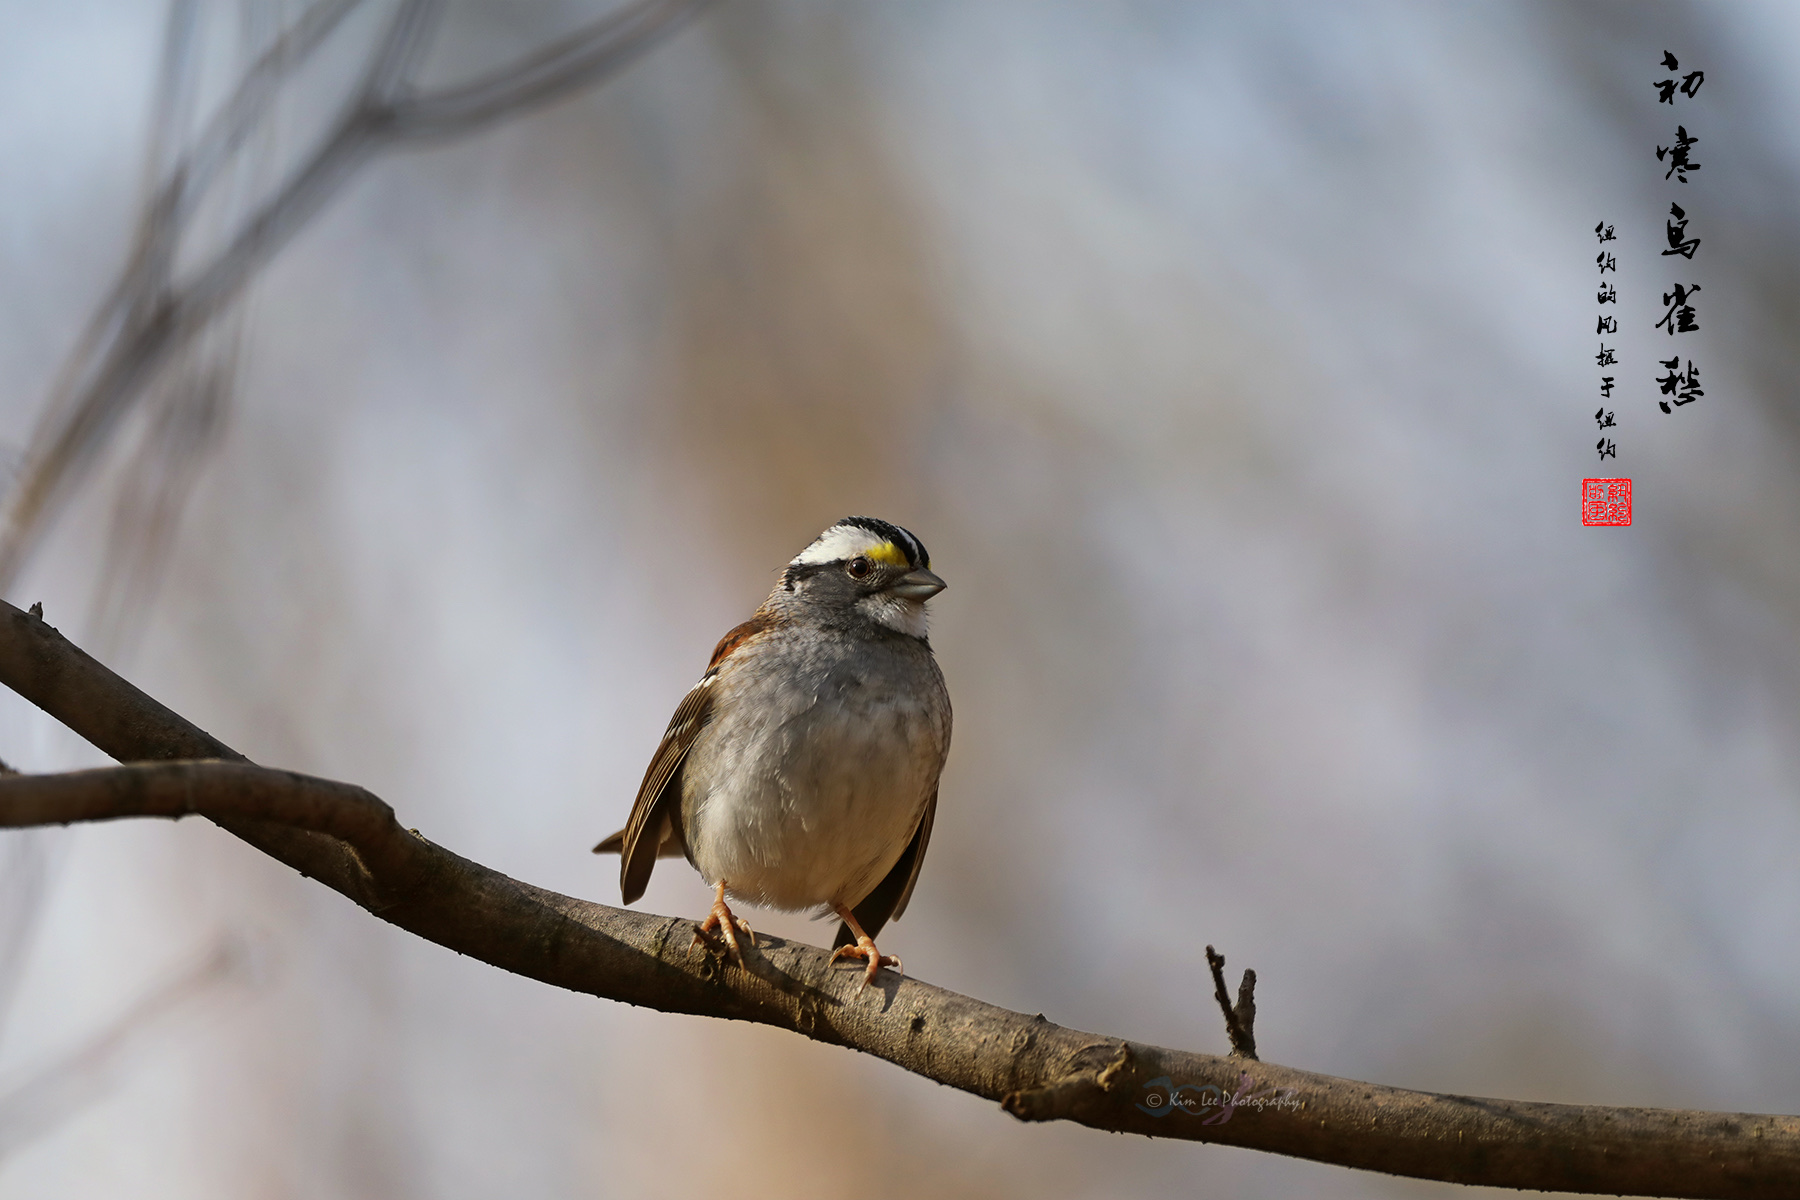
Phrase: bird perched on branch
[801,772]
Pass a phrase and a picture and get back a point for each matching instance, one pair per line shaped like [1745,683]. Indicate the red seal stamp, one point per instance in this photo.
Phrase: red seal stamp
[1606,502]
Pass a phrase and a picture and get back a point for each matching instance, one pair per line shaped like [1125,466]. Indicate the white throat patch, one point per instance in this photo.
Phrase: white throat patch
[896,612]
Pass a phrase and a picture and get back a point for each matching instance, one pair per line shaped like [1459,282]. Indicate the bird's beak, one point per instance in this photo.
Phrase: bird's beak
[917,585]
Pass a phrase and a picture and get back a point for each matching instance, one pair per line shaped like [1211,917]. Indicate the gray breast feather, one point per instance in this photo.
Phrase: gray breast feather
[812,776]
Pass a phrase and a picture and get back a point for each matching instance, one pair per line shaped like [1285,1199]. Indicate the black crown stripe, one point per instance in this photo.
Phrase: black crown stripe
[916,555]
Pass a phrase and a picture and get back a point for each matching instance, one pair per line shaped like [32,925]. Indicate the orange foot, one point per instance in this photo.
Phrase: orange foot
[722,919]
[864,949]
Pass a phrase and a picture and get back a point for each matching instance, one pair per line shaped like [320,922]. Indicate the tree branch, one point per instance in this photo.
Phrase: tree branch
[1037,1070]
[588,54]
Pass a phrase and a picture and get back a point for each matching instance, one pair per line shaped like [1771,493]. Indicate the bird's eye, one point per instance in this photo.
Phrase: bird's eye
[860,567]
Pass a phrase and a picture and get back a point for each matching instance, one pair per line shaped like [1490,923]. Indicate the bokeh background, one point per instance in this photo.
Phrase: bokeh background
[1235,361]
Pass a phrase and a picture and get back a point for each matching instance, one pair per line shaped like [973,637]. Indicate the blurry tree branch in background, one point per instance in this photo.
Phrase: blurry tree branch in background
[349,840]
[64,1086]
[166,340]
[155,313]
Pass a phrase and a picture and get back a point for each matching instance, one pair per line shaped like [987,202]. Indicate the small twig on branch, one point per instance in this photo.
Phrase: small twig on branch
[1036,1069]
[1240,1020]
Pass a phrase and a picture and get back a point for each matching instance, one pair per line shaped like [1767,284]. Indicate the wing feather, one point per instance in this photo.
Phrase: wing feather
[657,809]
[921,839]
[654,828]
[890,897]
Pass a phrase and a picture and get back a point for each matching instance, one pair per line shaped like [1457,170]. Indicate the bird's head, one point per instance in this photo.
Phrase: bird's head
[865,567]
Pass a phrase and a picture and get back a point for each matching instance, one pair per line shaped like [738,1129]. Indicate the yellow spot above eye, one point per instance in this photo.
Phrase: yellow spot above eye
[887,554]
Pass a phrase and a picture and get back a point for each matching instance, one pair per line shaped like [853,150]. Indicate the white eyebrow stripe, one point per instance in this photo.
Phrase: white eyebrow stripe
[838,542]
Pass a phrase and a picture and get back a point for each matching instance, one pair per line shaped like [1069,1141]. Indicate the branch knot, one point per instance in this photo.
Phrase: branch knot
[1076,1090]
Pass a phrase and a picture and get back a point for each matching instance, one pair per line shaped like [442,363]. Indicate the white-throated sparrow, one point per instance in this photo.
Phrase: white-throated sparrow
[801,772]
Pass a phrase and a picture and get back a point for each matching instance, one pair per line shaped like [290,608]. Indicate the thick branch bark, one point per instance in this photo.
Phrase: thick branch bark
[1037,1070]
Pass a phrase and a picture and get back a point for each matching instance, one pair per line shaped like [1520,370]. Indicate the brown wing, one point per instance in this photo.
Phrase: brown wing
[890,897]
[656,813]
[737,637]
[654,828]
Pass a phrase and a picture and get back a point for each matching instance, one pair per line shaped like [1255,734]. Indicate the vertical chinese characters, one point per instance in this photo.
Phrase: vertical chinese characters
[1678,386]
[1607,323]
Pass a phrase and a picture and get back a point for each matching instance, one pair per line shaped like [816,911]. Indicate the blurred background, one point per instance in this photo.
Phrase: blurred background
[1235,361]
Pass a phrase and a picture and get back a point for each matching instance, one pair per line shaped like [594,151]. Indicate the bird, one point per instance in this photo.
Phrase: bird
[801,772]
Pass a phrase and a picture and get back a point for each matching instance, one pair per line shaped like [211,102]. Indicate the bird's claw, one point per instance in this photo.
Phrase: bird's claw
[728,925]
[865,949]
